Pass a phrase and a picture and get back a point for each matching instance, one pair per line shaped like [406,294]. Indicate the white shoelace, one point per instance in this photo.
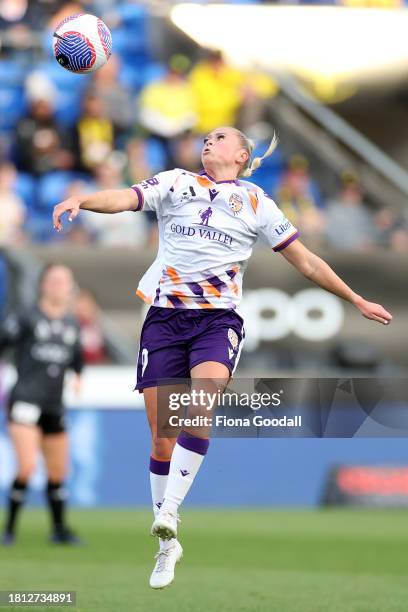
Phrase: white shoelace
[162,558]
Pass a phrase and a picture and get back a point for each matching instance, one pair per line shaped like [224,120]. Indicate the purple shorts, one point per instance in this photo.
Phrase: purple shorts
[173,341]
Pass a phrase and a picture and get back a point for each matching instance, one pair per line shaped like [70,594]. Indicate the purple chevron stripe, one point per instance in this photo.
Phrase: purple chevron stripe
[216,282]
[231,273]
[196,288]
[177,303]
[201,300]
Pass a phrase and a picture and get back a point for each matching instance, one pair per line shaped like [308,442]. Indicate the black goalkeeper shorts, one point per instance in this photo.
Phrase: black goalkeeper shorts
[50,421]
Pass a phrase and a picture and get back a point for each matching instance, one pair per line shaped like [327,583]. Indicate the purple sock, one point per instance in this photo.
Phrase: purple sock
[161,468]
[192,443]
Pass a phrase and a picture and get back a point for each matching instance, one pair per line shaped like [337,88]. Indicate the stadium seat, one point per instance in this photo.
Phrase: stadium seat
[25,188]
[68,106]
[156,155]
[12,105]
[12,74]
[52,187]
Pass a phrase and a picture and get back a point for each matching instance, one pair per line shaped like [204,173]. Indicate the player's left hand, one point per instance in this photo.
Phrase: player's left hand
[373,311]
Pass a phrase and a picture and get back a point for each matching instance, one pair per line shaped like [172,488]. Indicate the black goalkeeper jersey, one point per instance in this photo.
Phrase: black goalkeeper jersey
[45,349]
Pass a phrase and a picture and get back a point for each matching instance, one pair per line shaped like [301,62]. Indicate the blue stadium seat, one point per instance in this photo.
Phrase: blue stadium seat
[12,105]
[25,188]
[12,74]
[3,286]
[52,188]
[68,106]
[130,42]
[132,15]
[153,71]
[156,155]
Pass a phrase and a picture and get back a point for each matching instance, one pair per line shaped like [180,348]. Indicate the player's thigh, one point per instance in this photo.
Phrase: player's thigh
[55,448]
[219,342]
[26,444]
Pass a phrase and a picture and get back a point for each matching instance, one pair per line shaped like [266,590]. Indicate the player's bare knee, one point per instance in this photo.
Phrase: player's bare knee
[25,471]
[162,448]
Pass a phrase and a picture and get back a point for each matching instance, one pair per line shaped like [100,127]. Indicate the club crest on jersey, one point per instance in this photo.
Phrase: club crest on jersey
[233,338]
[236,203]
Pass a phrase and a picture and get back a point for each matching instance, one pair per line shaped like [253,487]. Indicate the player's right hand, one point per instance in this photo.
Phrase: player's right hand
[71,206]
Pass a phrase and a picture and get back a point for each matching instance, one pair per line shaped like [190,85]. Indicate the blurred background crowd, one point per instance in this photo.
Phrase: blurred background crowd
[147,111]
[64,134]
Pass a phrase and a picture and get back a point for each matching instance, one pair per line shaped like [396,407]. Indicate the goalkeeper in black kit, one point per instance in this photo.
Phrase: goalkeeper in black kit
[46,340]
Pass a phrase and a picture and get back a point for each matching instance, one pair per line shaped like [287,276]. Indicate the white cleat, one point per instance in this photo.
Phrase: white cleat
[165,525]
[166,559]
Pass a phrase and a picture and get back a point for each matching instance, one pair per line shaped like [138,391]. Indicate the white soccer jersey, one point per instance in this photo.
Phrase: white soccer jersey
[207,230]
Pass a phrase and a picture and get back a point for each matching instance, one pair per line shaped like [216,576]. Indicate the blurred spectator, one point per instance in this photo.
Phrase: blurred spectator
[95,132]
[77,233]
[392,230]
[117,98]
[41,144]
[138,168]
[298,196]
[126,229]
[187,152]
[62,9]
[92,339]
[349,222]
[167,107]
[12,209]
[17,19]
[217,91]
[256,90]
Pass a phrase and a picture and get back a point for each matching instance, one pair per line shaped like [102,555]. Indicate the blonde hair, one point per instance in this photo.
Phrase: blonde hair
[249,145]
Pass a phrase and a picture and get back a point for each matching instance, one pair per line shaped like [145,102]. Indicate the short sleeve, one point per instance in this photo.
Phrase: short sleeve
[12,330]
[273,227]
[153,191]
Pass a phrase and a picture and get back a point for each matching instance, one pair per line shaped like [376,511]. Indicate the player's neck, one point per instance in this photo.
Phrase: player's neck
[53,310]
[221,174]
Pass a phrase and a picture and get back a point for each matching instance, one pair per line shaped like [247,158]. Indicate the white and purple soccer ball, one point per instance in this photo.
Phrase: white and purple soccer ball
[82,43]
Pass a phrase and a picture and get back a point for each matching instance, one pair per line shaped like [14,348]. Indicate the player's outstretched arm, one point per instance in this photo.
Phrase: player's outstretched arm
[109,201]
[318,271]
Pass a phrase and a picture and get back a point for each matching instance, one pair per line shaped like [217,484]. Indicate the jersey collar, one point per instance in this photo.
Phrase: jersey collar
[235,181]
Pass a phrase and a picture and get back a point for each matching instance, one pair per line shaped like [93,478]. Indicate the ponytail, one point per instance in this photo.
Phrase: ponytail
[249,145]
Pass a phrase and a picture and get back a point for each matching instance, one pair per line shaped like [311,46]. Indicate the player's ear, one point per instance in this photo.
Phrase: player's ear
[242,156]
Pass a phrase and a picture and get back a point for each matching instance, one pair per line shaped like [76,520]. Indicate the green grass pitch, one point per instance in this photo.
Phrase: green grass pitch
[234,561]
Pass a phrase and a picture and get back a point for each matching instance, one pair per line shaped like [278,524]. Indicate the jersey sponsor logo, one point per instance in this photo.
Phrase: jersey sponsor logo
[184,472]
[42,330]
[236,203]
[201,232]
[281,229]
[53,353]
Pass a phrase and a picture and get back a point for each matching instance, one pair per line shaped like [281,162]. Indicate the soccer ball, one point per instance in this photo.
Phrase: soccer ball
[82,43]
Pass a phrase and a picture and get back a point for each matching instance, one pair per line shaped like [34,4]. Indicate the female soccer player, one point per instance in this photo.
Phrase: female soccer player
[46,340]
[208,225]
